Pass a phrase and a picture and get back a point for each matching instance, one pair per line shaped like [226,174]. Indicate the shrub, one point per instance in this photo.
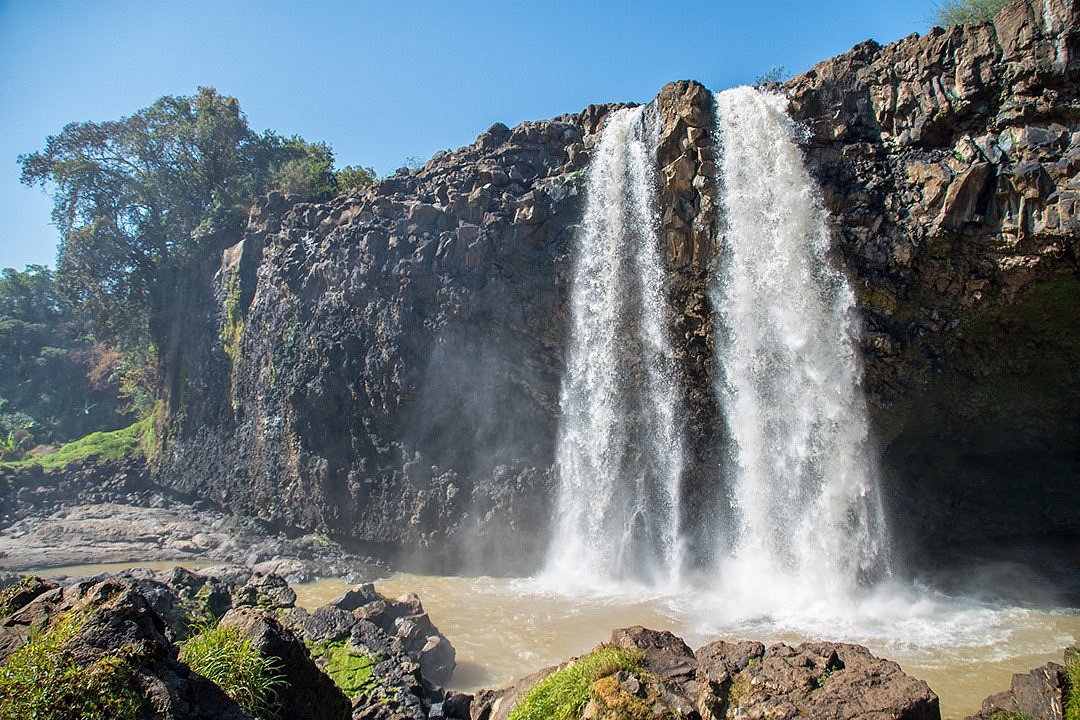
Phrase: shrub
[563,694]
[224,656]
[957,12]
[42,680]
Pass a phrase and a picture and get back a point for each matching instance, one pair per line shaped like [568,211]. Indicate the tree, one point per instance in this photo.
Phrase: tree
[354,177]
[138,200]
[54,384]
[146,204]
[957,12]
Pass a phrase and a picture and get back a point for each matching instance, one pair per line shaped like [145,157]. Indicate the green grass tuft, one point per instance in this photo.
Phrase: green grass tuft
[1072,686]
[563,694]
[224,656]
[102,446]
[42,680]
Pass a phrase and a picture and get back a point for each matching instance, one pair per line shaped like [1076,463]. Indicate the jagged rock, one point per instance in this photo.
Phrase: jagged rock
[1037,695]
[309,692]
[117,620]
[746,680]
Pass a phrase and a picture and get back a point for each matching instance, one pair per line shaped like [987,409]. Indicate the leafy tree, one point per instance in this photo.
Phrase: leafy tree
[354,177]
[957,12]
[775,74]
[54,384]
[146,204]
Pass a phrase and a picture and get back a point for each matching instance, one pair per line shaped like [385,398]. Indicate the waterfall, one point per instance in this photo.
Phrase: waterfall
[805,521]
[619,447]
[801,480]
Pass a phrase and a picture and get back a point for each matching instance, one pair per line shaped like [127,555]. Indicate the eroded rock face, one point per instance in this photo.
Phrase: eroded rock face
[395,376]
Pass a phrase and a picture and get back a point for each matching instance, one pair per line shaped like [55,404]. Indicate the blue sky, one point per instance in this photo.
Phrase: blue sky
[385,81]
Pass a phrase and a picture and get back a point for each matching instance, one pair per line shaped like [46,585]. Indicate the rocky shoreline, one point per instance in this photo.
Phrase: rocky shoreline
[146,619]
[91,514]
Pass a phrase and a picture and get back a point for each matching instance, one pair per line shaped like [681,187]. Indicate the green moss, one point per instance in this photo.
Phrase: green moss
[233,328]
[101,446]
[353,672]
[227,658]
[43,680]
[563,694]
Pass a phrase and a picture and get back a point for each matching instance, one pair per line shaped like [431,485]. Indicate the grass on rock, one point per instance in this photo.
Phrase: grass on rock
[227,658]
[563,694]
[102,446]
[43,680]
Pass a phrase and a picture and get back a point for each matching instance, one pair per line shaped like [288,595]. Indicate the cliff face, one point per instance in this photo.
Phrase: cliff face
[385,366]
[949,165]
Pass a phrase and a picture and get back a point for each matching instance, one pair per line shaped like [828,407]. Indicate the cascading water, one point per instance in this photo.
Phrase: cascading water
[619,452]
[801,478]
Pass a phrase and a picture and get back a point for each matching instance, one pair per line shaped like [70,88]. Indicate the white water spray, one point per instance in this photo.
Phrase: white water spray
[619,452]
[801,478]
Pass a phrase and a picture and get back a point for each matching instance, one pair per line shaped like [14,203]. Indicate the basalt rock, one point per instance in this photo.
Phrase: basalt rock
[384,366]
[741,680]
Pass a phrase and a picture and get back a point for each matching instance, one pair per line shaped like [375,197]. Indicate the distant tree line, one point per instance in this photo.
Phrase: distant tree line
[144,205]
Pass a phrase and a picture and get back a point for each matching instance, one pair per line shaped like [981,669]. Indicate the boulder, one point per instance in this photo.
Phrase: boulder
[309,692]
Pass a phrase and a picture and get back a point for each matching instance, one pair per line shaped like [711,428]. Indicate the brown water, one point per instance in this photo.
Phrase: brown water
[504,629]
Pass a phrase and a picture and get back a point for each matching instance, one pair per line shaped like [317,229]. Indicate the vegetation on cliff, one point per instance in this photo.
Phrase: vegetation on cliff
[134,440]
[956,12]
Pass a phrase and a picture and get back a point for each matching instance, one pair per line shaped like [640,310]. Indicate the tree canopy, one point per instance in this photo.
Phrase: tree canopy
[956,12]
[54,383]
[143,202]
[138,199]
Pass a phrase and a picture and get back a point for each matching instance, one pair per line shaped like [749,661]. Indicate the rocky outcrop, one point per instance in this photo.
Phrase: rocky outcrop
[385,366]
[1040,694]
[740,680]
[387,653]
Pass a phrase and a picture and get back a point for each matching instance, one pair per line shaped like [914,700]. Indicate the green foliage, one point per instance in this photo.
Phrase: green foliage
[43,680]
[102,446]
[957,12]
[354,177]
[224,656]
[1072,689]
[302,168]
[54,384]
[775,74]
[350,671]
[563,694]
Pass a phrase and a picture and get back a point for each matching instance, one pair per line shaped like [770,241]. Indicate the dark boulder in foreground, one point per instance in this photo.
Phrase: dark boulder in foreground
[664,678]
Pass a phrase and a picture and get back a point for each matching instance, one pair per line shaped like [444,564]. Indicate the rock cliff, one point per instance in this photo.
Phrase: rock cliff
[385,366]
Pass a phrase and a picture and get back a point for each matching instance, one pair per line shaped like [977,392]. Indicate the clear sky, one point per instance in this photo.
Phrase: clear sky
[385,81]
